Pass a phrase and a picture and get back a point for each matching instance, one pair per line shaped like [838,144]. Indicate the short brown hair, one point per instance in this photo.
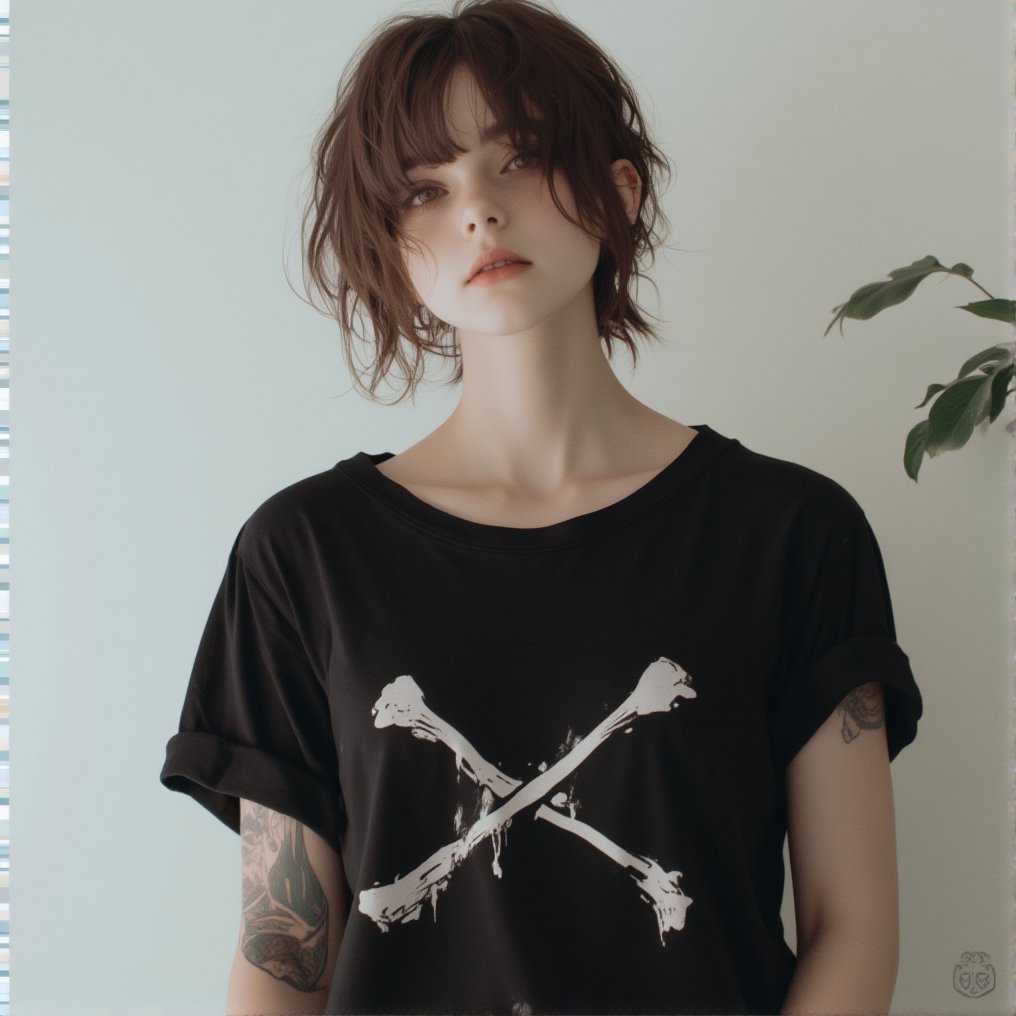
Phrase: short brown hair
[389,112]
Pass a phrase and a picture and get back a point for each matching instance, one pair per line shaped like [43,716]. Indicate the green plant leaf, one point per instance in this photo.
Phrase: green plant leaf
[932,389]
[999,381]
[922,268]
[913,454]
[999,310]
[993,354]
[874,297]
[958,409]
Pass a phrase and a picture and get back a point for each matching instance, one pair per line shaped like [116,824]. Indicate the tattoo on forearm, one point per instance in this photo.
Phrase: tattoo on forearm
[285,911]
[863,709]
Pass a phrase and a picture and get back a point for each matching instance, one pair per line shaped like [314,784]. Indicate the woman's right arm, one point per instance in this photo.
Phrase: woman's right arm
[294,915]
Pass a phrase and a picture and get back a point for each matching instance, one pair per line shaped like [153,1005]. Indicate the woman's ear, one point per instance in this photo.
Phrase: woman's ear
[629,186]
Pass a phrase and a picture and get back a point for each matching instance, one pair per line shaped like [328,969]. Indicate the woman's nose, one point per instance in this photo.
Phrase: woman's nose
[482,208]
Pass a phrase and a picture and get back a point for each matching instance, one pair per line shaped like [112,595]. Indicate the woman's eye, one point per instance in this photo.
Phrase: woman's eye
[526,155]
[411,201]
[418,198]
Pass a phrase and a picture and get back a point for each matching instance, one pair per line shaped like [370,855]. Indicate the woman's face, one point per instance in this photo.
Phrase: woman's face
[492,196]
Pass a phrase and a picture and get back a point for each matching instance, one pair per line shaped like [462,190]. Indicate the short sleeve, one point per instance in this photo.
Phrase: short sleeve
[838,634]
[255,721]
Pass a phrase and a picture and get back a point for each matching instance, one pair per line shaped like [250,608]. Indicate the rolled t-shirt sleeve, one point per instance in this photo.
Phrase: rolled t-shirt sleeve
[839,633]
[255,721]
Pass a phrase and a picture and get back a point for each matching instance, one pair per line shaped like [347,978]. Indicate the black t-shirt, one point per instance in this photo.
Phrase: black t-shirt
[551,758]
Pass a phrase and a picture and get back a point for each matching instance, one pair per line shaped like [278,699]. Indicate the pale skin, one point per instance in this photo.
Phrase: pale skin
[545,431]
[841,836]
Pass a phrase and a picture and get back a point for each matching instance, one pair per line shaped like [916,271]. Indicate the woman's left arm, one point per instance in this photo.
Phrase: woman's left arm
[842,842]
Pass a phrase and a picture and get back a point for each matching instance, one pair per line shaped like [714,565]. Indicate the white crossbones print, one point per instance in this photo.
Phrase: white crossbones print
[401,703]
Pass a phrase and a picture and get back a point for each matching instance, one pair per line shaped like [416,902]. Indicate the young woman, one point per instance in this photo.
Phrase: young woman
[518,719]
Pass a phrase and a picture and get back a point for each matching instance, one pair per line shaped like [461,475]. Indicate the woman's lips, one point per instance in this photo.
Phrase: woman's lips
[491,256]
[499,274]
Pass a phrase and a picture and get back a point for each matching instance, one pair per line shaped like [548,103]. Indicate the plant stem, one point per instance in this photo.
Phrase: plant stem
[971,279]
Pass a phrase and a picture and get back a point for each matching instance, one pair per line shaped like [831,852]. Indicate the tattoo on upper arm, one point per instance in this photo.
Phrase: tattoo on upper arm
[863,709]
[285,911]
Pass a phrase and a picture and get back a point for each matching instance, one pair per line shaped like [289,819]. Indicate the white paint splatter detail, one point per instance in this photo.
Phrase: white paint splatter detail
[570,740]
[569,801]
[497,841]
[659,689]
[486,800]
[402,900]
[457,823]
[401,703]
[661,888]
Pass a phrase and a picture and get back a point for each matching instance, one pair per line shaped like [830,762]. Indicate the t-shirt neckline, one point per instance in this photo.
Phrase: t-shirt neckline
[702,449]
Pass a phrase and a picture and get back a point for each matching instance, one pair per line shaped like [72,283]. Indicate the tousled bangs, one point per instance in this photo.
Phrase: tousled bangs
[514,79]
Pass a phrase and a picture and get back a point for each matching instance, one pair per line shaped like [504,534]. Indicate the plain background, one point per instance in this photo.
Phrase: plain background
[167,378]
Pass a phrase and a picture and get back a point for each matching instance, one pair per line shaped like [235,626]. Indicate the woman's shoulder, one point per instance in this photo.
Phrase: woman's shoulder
[291,518]
[786,485]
